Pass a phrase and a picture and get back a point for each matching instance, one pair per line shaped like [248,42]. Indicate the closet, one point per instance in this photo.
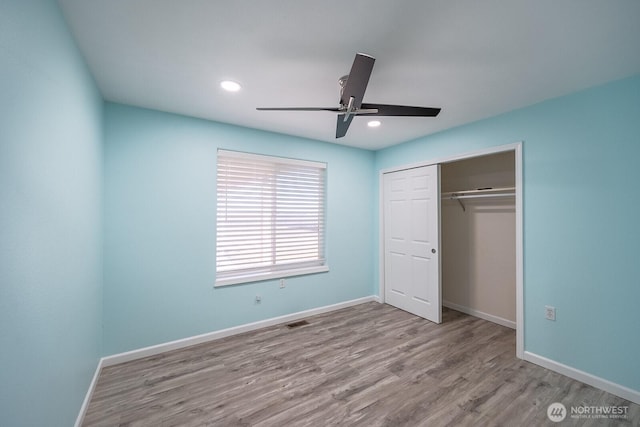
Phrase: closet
[478,236]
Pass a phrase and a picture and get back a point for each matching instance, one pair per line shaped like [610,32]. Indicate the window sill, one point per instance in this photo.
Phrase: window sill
[270,276]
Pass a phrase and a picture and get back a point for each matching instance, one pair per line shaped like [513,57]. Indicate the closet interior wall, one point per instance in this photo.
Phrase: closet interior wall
[479,243]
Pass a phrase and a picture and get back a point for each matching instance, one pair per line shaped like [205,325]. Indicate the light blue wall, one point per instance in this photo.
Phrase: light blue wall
[50,218]
[581,226]
[160,206]
[580,212]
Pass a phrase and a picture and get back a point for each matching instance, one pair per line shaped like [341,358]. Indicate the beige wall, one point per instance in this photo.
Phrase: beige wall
[478,246]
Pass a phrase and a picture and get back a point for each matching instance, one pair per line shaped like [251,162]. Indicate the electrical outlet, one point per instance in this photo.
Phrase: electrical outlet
[258,299]
[281,283]
[549,312]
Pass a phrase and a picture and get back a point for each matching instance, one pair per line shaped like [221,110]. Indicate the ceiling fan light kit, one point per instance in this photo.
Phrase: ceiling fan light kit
[352,89]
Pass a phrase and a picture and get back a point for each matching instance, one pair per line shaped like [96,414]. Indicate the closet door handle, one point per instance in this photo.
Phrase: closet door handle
[433,251]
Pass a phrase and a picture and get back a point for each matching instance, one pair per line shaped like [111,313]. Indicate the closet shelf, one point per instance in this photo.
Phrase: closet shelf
[478,193]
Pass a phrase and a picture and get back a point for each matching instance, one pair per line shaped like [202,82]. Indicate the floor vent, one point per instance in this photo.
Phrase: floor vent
[296,324]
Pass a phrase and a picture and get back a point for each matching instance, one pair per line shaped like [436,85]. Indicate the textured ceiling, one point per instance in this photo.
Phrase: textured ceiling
[474,59]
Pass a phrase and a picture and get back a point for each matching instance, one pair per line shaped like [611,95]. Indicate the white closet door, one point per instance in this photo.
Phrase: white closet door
[411,241]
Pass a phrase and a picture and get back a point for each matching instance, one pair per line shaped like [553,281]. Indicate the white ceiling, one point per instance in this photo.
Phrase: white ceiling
[473,58]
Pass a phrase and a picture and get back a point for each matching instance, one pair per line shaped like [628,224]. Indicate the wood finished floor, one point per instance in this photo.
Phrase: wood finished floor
[368,365]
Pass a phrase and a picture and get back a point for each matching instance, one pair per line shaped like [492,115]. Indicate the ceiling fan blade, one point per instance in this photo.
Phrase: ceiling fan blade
[353,87]
[358,79]
[401,110]
[298,109]
[342,125]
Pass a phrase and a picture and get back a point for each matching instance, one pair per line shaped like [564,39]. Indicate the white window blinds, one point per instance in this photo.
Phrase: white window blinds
[270,217]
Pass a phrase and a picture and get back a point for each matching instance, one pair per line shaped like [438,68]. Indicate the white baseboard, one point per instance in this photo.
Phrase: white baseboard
[87,397]
[210,336]
[198,339]
[606,385]
[473,312]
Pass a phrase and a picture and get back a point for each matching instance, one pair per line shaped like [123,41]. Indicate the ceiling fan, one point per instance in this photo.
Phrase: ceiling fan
[352,88]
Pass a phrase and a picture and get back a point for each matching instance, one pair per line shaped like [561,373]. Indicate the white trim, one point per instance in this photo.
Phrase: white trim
[236,280]
[439,219]
[606,385]
[87,397]
[198,339]
[519,253]
[270,158]
[454,158]
[481,314]
[576,374]
[212,336]
[517,148]
[381,237]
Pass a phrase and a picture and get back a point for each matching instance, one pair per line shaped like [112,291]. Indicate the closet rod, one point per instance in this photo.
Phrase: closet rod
[479,191]
[476,196]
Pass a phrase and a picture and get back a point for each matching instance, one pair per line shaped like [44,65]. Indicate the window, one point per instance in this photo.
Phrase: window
[270,217]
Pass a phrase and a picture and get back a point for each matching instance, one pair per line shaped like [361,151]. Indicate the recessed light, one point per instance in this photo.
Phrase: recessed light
[374,123]
[230,86]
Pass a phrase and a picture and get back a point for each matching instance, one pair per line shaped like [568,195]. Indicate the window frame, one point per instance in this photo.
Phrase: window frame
[273,270]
